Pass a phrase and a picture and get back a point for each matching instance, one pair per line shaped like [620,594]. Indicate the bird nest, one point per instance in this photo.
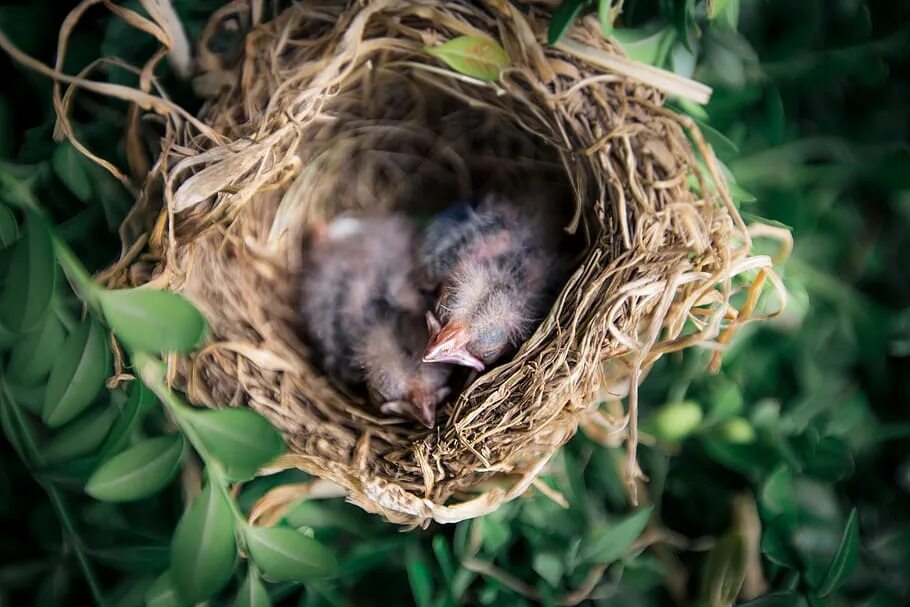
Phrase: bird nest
[337,106]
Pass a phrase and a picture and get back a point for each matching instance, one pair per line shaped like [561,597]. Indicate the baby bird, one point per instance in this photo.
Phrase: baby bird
[495,266]
[396,378]
[362,311]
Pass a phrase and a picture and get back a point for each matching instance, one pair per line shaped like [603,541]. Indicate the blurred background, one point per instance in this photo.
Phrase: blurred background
[787,472]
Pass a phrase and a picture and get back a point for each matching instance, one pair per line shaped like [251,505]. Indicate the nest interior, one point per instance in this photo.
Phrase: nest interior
[335,106]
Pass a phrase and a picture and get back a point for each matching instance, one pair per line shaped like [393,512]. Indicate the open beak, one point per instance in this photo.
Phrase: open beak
[448,346]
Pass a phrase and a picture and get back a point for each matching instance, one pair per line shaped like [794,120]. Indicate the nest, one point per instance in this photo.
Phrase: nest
[335,106]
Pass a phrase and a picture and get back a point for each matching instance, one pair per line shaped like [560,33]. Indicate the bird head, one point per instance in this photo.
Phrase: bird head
[420,405]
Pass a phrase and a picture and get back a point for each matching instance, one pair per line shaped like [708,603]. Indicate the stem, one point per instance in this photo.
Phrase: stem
[151,371]
[63,514]
[79,277]
[70,530]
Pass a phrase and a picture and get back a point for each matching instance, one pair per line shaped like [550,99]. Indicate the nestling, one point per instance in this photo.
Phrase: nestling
[495,266]
[363,313]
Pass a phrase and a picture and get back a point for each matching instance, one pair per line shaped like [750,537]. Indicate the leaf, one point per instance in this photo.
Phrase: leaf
[775,543]
[675,421]
[608,545]
[563,17]
[550,566]
[828,458]
[777,494]
[844,559]
[163,593]
[715,8]
[252,593]
[203,550]
[30,279]
[604,15]
[725,571]
[69,165]
[139,403]
[419,576]
[287,556]
[646,46]
[153,321]
[34,354]
[31,398]
[9,227]
[138,472]
[80,437]
[240,439]
[78,374]
[722,145]
[475,56]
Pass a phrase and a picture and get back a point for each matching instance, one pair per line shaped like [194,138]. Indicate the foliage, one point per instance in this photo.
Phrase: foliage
[787,471]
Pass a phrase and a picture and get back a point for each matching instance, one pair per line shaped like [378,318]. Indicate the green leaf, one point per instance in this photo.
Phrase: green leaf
[775,543]
[723,147]
[563,17]
[9,227]
[646,46]
[139,403]
[608,545]
[675,421]
[604,15]
[204,549]
[715,8]
[80,437]
[287,556]
[725,571]
[252,593]
[69,165]
[240,439]
[30,279]
[550,566]
[828,458]
[34,354]
[844,559]
[476,56]
[31,398]
[419,576]
[153,321]
[78,374]
[163,593]
[138,472]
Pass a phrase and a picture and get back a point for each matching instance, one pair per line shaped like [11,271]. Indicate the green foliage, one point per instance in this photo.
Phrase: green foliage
[203,549]
[153,321]
[807,417]
[77,375]
[609,544]
[29,281]
[240,440]
[284,555]
[140,471]
[252,593]
[475,56]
